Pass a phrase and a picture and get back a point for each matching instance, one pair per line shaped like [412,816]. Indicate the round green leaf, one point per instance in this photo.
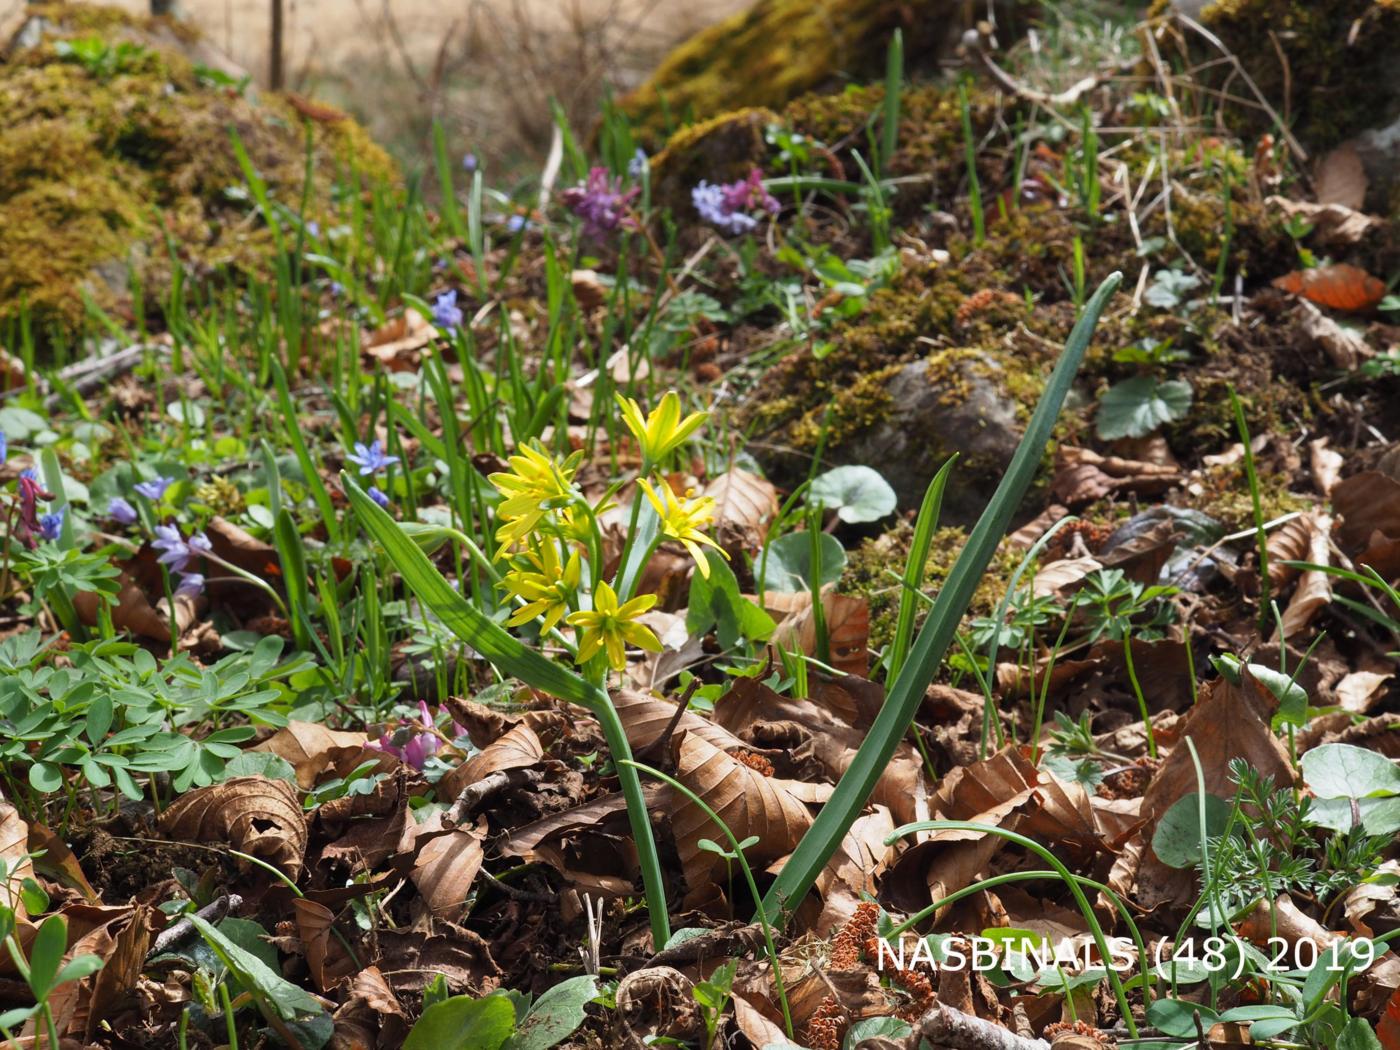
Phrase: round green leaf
[1177,840]
[856,493]
[786,563]
[556,1014]
[1347,771]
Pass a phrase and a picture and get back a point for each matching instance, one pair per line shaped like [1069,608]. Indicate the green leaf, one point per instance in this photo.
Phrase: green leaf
[856,493]
[848,799]
[77,968]
[46,954]
[259,764]
[1177,840]
[463,1023]
[786,563]
[500,648]
[257,976]
[1358,1035]
[1347,771]
[870,1027]
[555,1015]
[1379,816]
[1174,1017]
[716,602]
[910,595]
[1138,406]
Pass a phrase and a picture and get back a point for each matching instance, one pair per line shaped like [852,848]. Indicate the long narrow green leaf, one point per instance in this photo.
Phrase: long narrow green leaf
[855,787]
[493,642]
[303,454]
[924,527]
[894,82]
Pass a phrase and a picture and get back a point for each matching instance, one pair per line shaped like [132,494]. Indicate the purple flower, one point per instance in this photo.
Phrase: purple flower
[154,490]
[419,746]
[50,525]
[516,223]
[4,447]
[337,289]
[601,203]
[637,166]
[446,312]
[121,511]
[191,583]
[30,492]
[731,206]
[469,162]
[370,459]
[378,497]
[313,228]
[176,551]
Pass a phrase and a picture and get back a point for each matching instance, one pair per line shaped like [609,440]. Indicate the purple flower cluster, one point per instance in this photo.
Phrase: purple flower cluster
[446,312]
[601,203]
[731,206]
[30,492]
[176,551]
[422,741]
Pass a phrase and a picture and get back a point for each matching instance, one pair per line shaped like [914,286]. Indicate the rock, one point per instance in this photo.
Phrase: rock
[107,150]
[931,415]
[779,49]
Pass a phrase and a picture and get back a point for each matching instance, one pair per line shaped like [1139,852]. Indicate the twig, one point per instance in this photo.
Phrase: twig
[474,795]
[950,1027]
[713,944]
[211,912]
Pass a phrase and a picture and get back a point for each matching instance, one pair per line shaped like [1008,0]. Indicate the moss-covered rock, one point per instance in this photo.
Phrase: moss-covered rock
[115,140]
[780,49]
[1338,65]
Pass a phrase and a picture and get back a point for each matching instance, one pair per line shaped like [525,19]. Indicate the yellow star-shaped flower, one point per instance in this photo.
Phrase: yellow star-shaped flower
[544,584]
[537,483]
[682,519]
[663,431]
[610,627]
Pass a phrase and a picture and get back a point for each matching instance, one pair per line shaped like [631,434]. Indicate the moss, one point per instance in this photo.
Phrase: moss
[88,161]
[779,49]
[722,149]
[874,570]
[1337,55]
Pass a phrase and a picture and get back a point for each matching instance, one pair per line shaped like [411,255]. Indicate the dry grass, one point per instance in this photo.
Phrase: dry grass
[486,68]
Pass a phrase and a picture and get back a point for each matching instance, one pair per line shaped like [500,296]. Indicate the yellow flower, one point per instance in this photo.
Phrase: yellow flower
[537,484]
[682,519]
[664,430]
[610,626]
[544,584]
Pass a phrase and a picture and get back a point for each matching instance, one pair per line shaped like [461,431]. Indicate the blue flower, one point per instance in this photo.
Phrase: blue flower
[379,497]
[446,312]
[191,583]
[176,551]
[371,459]
[637,166]
[154,490]
[337,289]
[50,525]
[730,206]
[121,510]
[29,474]
[469,162]
[516,223]
[4,447]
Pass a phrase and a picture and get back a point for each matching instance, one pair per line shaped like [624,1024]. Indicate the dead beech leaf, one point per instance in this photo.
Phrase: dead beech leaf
[1338,286]
[847,629]
[1082,476]
[1325,465]
[1334,225]
[1340,178]
[1368,503]
[750,803]
[1345,347]
[1054,576]
[255,815]
[744,505]
[14,851]
[326,957]
[447,864]
[518,749]
[56,861]
[646,719]
[1227,722]
[396,344]
[315,750]
[370,1015]
[1314,590]
[132,611]
[114,984]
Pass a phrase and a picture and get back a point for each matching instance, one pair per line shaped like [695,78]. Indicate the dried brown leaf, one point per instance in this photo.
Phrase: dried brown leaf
[847,629]
[255,815]
[744,505]
[315,751]
[447,864]
[518,749]
[326,957]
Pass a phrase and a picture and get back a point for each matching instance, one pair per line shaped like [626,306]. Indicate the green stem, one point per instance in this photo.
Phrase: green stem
[652,884]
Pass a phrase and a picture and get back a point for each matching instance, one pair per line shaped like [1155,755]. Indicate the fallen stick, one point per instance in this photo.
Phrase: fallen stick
[211,912]
[945,1026]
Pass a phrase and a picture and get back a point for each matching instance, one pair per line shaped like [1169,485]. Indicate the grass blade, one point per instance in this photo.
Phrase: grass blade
[855,787]
[924,527]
